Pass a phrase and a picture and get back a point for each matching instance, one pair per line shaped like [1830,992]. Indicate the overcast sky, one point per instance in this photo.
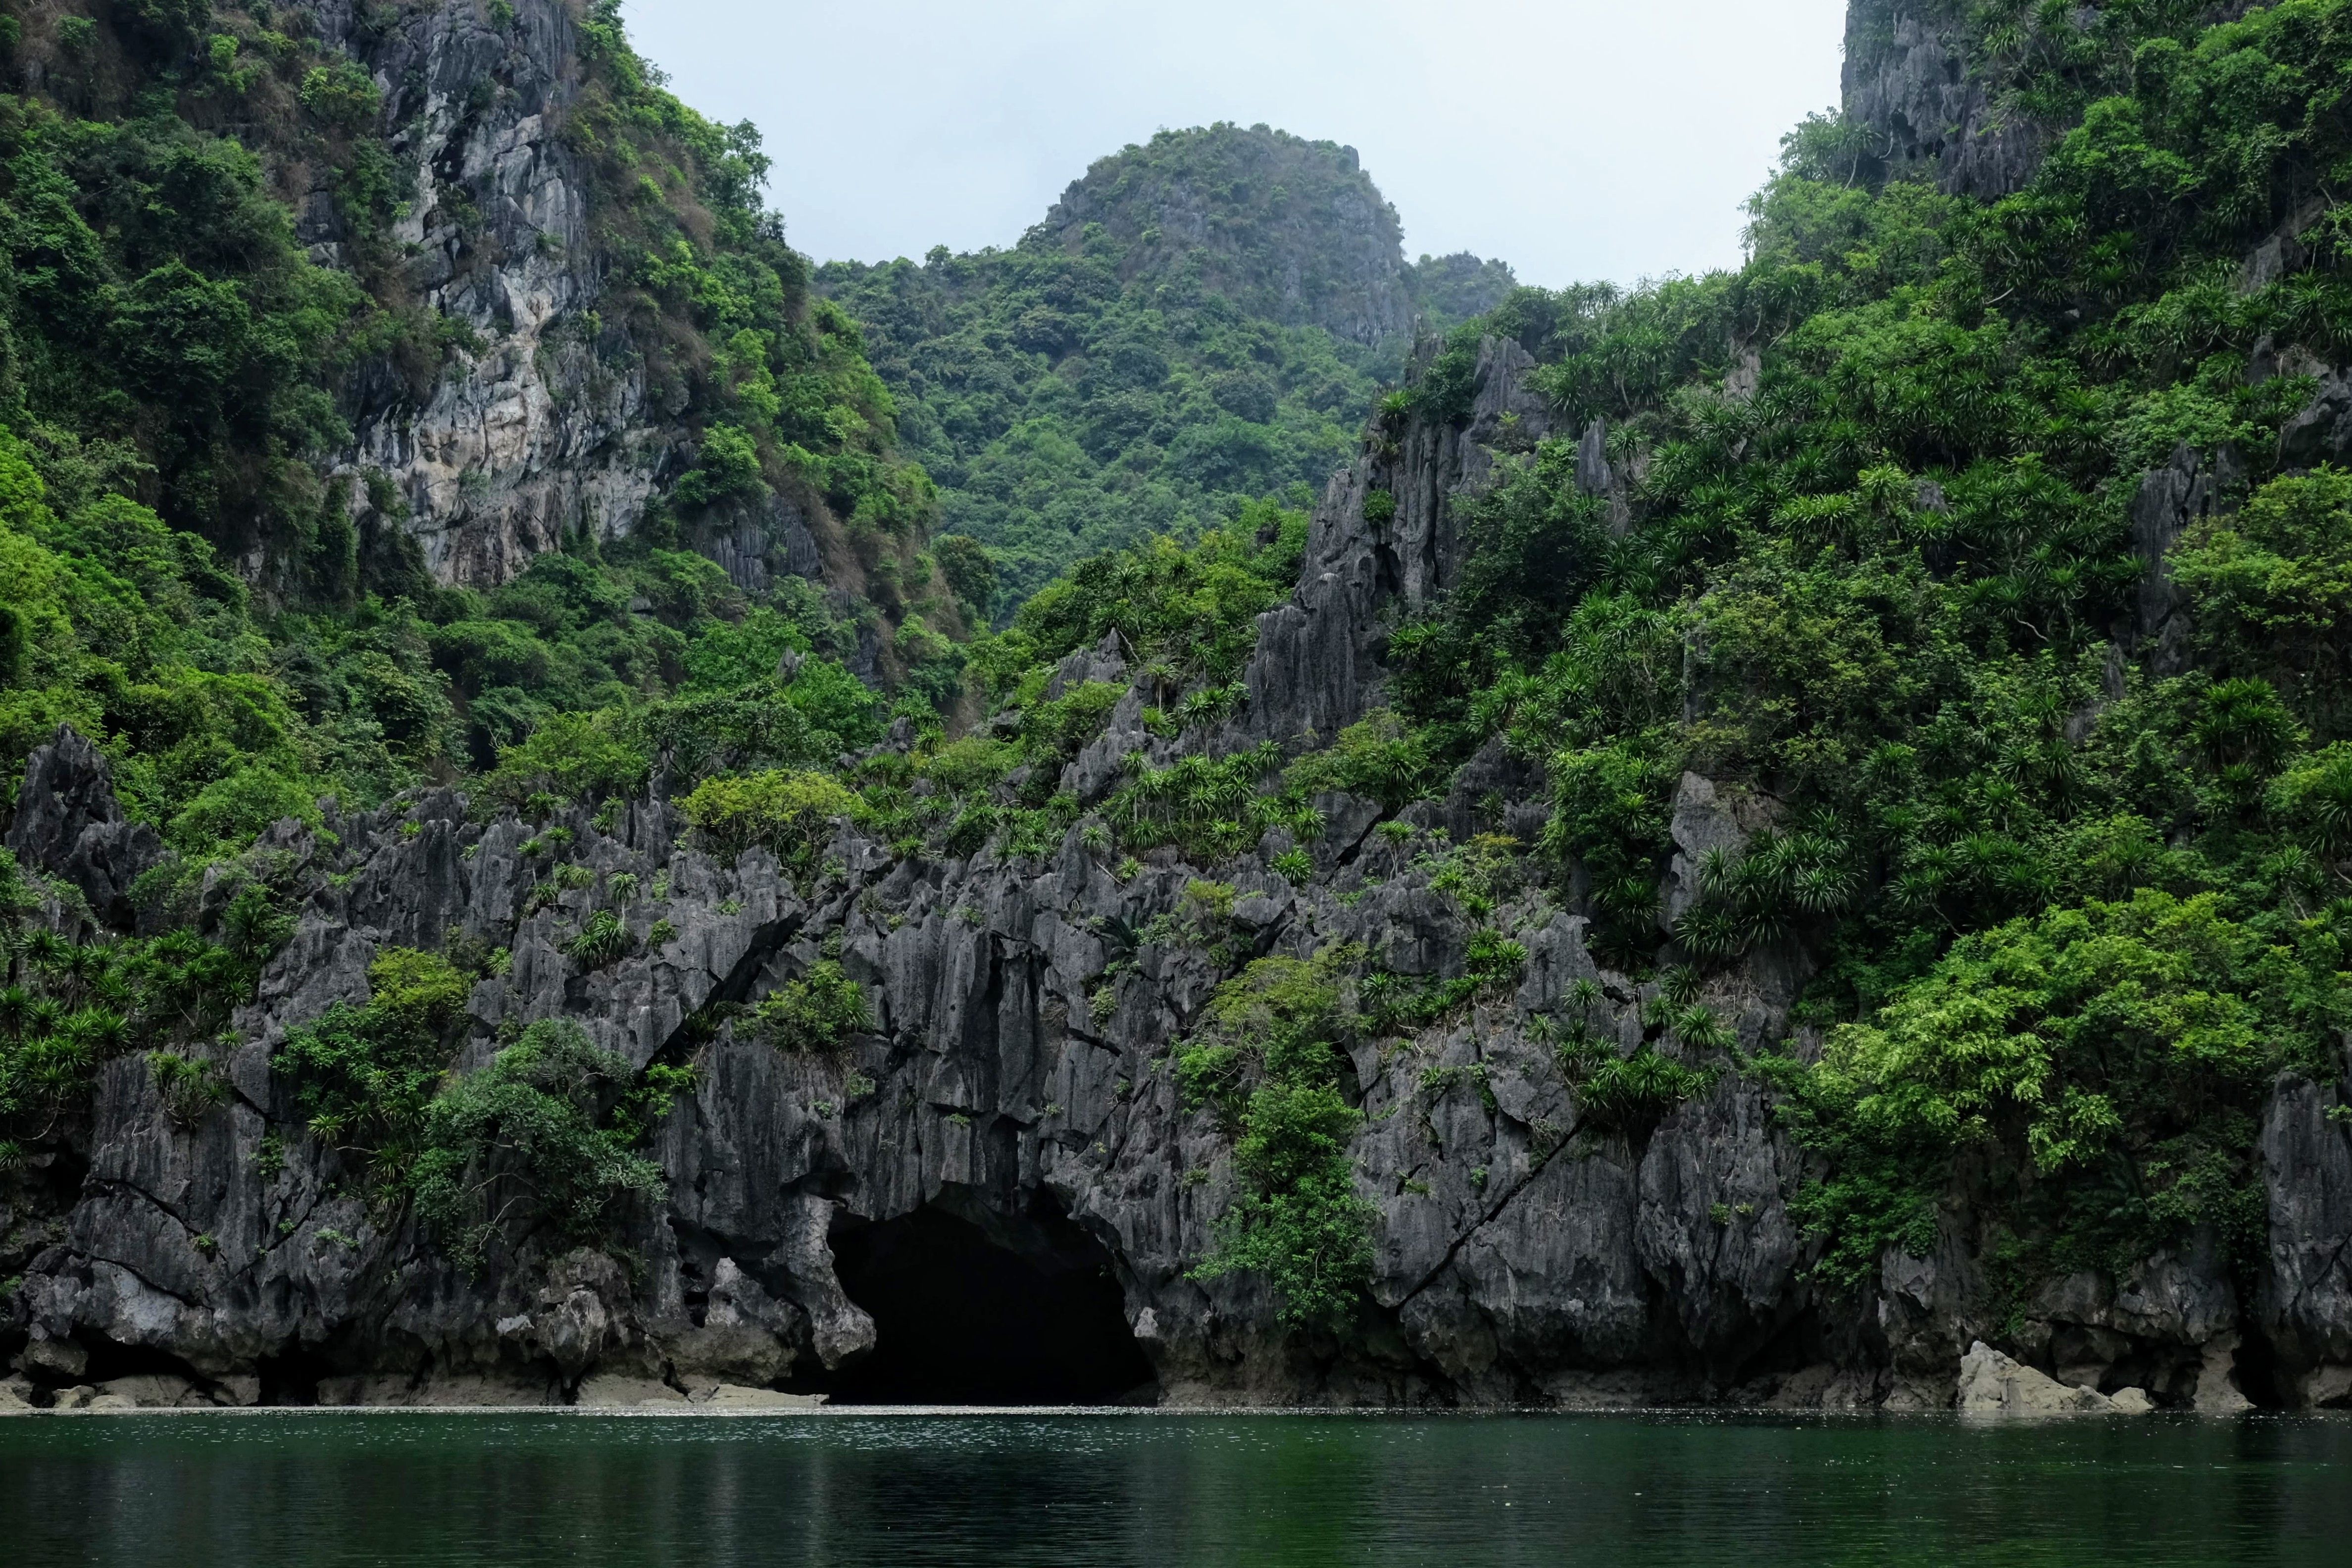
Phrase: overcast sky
[1575,139]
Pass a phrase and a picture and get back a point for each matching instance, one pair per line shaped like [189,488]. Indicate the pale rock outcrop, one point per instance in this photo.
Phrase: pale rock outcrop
[608,1392]
[1711,820]
[728,1397]
[1993,1384]
[542,426]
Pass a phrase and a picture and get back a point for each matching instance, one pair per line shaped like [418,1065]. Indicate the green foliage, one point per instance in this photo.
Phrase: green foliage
[601,941]
[66,1008]
[1491,964]
[188,1086]
[2117,1052]
[1267,1057]
[174,370]
[2072,875]
[341,95]
[1212,808]
[1125,374]
[522,1146]
[964,561]
[1187,615]
[727,466]
[364,1077]
[790,815]
[2271,590]
[570,756]
[161,319]
[1379,759]
[815,1014]
[1632,1093]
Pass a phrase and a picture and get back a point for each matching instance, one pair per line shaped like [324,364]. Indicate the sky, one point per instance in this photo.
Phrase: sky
[1578,140]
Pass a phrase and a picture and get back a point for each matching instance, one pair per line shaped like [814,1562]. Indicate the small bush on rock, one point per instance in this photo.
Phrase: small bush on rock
[520,1143]
[816,1013]
[790,813]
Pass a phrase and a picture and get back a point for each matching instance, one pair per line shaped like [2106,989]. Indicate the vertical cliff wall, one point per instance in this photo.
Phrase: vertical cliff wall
[544,424]
[1013,1102]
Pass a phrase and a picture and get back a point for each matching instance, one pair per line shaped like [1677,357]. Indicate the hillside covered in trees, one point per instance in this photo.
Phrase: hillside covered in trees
[1202,320]
[1988,527]
[229,272]
[1724,841]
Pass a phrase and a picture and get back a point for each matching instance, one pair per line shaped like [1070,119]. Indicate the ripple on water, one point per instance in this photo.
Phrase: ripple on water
[920,1487]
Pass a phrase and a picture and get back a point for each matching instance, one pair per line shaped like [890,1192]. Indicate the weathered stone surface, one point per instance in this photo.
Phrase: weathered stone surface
[2306,1298]
[1317,667]
[544,423]
[730,1396]
[2326,1388]
[1517,1261]
[2321,431]
[1711,1230]
[607,1392]
[1993,1384]
[1711,820]
[68,824]
[444,1392]
[1907,80]
[1018,1078]
[154,1391]
[2218,1390]
[2193,485]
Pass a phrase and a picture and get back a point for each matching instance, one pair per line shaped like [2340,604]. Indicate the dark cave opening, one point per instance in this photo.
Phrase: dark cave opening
[1026,1313]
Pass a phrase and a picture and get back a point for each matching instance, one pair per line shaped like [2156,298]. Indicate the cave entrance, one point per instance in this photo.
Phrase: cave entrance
[995,1312]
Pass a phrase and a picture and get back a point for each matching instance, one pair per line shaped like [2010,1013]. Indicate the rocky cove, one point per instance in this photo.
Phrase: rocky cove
[1732,664]
[996,1192]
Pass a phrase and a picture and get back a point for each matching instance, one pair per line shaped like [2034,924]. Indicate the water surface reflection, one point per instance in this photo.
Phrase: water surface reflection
[462,1489]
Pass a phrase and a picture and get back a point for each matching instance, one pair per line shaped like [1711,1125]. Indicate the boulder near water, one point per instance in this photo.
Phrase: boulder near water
[1994,1385]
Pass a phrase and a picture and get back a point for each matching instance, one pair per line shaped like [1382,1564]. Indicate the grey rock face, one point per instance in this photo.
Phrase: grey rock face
[1907,81]
[68,824]
[2307,1305]
[546,425]
[1711,820]
[1318,667]
[1993,1384]
[758,543]
[2194,485]
[2321,432]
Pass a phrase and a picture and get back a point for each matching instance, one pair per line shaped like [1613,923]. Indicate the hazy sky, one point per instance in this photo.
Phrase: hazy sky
[1575,139]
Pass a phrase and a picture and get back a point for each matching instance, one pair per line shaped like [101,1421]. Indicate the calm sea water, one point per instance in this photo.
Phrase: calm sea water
[461,1489]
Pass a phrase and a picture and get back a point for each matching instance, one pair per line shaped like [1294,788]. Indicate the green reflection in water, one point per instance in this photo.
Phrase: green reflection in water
[520,1490]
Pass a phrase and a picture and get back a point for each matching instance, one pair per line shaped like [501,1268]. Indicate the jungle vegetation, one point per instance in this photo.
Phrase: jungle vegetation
[1112,377]
[2065,822]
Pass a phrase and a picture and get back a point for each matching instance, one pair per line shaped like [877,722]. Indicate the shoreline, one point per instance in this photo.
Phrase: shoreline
[1104,1412]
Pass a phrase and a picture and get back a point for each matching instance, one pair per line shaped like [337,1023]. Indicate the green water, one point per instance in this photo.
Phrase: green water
[455,1491]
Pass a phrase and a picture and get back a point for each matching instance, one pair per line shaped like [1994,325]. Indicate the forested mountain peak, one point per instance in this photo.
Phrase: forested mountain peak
[1202,321]
[1768,837]
[1290,230]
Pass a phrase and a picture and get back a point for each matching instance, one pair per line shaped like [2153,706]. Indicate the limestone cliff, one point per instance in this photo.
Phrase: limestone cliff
[1017,1090]
[1289,230]
[1008,1134]
[544,426]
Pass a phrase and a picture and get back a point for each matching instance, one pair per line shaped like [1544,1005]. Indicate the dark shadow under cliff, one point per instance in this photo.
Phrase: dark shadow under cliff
[963,1318]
